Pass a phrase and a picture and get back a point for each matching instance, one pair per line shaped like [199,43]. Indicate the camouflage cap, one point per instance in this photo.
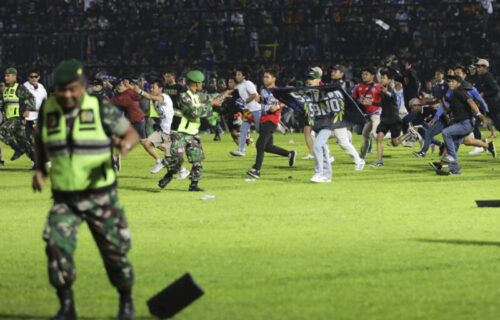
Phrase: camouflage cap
[181,79]
[11,71]
[195,76]
[68,71]
[299,83]
[315,73]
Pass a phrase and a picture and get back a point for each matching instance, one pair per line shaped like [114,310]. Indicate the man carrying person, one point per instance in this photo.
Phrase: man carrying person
[369,94]
[251,109]
[270,117]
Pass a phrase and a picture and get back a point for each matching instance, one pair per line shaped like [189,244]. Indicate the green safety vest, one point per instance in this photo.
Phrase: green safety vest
[152,110]
[11,101]
[188,125]
[81,159]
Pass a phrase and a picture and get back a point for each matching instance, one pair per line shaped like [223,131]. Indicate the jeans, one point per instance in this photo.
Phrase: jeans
[343,139]
[265,144]
[369,131]
[430,132]
[245,127]
[322,154]
[453,136]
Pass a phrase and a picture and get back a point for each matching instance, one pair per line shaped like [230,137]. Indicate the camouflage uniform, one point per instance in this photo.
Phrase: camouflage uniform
[191,144]
[13,130]
[104,216]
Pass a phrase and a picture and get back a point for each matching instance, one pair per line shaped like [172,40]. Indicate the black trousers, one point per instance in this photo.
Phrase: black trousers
[265,144]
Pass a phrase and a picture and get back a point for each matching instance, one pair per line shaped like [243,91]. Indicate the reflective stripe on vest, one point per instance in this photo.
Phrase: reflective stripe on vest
[152,110]
[188,125]
[11,101]
[81,159]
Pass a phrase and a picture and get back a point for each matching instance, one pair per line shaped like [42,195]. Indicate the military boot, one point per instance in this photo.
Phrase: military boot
[165,180]
[194,186]
[67,310]
[126,309]
[17,154]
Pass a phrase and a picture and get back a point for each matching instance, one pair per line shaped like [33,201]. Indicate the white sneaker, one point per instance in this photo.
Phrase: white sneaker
[237,153]
[157,167]
[408,144]
[476,150]
[332,159]
[360,165]
[309,156]
[183,174]
[316,177]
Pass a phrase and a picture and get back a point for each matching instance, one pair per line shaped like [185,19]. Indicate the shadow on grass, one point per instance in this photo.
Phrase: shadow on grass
[135,177]
[15,169]
[460,242]
[27,316]
[153,190]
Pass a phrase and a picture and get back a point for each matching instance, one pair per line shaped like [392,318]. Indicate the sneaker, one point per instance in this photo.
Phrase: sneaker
[379,163]
[318,178]
[360,165]
[449,159]
[419,154]
[254,173]
[476,150]
[157,167]
[237,153]
[408,144]
[309,156]
[315,177]
[291,158]
[440,172]
[183,174]
[414,133]
[332,159]
[492,136]
[492,149]
[441,149]
[435,165]
[249,141]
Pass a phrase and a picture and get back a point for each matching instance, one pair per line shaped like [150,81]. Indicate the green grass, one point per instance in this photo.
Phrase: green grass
[396,242]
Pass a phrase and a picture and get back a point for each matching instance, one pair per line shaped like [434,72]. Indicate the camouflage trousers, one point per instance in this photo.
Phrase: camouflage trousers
[191,145]
[108,225]
[13,133]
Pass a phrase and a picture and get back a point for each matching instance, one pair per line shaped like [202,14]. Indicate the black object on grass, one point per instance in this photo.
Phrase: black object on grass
[488,203]
[178,295]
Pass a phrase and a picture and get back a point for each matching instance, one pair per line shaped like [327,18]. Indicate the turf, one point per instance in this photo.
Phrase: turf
[395,242]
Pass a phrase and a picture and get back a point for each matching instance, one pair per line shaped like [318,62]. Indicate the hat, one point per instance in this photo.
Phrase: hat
[11,71]
[315,73]
[299,83]
[221,80]
[472,66]
[141,78]
[339,67]
[181,79]
[96,82]
[456,78]
[369,69]
[68,71]
[482,62]
[415,102]
[195,76]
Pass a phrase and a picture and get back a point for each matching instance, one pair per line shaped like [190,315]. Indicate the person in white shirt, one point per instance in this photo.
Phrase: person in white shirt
[161,137]
[40,94]
[251,109]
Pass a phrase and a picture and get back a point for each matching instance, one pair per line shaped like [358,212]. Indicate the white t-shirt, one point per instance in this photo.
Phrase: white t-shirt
[40,94]
[246,89]
[165,109]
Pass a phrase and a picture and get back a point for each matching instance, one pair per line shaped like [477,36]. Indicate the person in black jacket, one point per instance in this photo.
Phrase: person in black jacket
[489,90]
[464,110]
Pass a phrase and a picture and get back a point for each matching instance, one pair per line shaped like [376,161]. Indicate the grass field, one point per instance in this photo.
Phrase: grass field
[396,242]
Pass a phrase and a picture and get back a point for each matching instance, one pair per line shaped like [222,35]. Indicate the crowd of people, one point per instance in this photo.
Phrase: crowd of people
[143,36]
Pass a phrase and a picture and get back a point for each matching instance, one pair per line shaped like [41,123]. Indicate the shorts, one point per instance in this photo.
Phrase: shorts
[303,120]
[394,128]
[158,138]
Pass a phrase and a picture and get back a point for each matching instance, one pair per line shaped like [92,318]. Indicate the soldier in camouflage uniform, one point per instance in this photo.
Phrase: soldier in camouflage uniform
[83,184]
[194,104]
[16,102]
